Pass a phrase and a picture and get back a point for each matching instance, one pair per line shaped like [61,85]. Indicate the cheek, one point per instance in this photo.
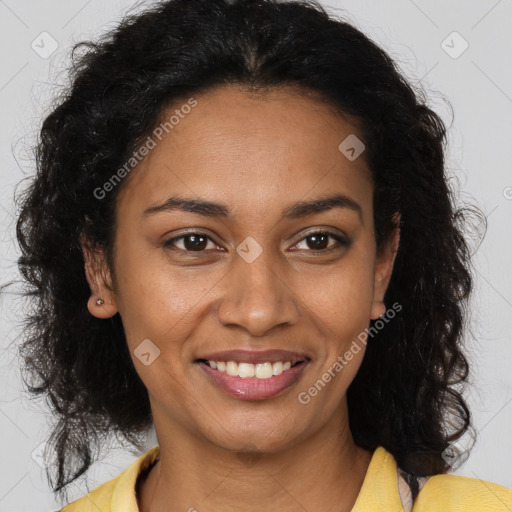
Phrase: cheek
[341,299]
[160,305]
[156,299]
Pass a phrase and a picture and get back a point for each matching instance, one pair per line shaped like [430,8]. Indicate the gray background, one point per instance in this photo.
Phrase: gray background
[478,84]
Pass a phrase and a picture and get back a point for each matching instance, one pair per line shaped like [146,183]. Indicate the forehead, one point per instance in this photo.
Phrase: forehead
[254,148]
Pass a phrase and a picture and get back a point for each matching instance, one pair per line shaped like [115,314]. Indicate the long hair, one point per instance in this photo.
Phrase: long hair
[406,396]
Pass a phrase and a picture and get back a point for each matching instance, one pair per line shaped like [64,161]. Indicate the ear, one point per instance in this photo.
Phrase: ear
[100,281]
[384,269]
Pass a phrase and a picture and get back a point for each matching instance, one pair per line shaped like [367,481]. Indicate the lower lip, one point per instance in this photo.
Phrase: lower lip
[253,388]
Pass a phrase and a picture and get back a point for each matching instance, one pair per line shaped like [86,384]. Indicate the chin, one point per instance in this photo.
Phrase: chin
[258,438]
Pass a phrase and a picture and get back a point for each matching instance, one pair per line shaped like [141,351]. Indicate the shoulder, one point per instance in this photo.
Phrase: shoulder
[99,499]
[116,494]
[452,493]
[440,493]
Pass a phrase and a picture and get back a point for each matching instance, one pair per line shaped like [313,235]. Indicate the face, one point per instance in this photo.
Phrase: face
[258,279]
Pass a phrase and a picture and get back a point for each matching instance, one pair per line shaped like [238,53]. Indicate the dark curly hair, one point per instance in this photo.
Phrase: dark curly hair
[407,395]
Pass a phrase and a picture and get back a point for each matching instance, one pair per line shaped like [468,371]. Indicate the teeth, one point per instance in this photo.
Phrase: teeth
[277,368]
[232,368]
[245,370]
[248,370]
[264,370]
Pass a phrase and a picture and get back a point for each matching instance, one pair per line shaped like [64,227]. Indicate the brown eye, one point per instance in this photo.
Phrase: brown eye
[319,241]
[192,242]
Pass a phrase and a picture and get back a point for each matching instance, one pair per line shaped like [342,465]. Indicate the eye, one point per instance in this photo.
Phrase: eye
[198,242]
[192,242]
[319,241]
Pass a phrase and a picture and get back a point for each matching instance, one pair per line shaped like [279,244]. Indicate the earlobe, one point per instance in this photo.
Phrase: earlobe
[378,309]
[100,308]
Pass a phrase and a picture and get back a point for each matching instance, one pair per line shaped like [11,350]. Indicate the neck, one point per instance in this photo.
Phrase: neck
[323,472]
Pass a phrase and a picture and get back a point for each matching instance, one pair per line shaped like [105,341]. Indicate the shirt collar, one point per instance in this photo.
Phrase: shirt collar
[379,491]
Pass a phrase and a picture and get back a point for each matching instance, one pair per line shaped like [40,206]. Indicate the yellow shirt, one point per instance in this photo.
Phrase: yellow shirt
[379,492]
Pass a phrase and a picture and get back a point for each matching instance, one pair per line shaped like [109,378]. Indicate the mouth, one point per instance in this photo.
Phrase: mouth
[264,370]
[254,375]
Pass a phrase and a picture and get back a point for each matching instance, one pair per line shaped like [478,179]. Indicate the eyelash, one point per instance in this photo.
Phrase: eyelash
[342,242]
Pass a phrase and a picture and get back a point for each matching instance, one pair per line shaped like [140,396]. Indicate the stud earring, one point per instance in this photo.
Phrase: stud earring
[100,301]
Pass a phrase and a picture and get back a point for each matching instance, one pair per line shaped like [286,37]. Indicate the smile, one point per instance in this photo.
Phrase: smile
[246,370]
[250,381]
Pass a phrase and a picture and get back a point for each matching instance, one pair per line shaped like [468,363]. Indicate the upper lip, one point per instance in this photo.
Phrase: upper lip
[255,357]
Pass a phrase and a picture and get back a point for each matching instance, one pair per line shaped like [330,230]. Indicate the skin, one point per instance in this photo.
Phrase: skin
[256,154]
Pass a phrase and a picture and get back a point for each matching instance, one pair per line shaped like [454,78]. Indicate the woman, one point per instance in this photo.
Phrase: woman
[241,233]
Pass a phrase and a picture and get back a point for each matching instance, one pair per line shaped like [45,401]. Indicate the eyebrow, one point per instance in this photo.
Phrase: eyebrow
[295,211]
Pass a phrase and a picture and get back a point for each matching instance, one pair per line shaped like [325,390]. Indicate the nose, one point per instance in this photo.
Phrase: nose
[258,297]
